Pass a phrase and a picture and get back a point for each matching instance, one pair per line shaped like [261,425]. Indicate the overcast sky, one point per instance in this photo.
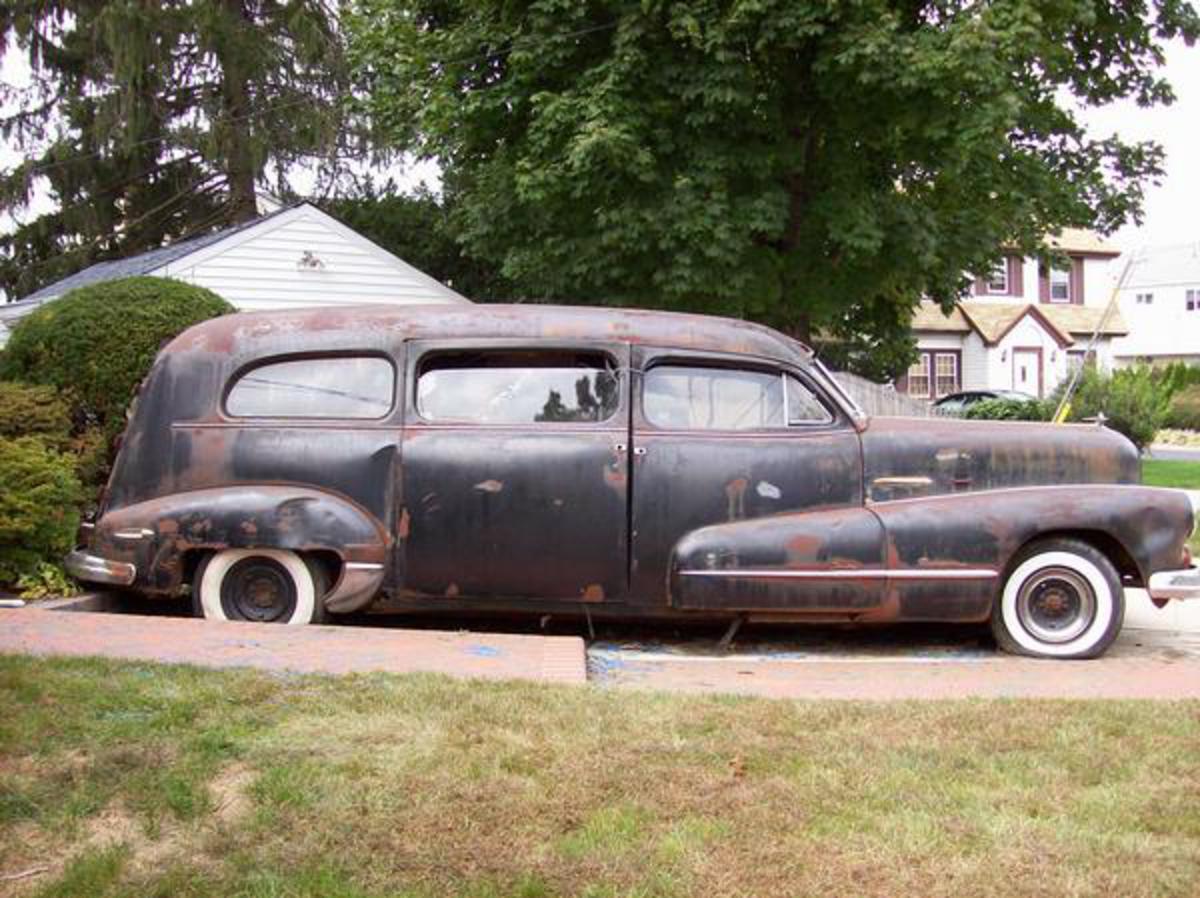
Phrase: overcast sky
[1172,208]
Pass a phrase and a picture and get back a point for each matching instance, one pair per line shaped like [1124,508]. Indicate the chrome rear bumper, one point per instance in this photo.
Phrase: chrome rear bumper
[1182,584]
[94,569]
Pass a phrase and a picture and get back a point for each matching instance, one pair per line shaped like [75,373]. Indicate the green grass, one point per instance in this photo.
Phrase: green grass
[1184,475]
[137,780]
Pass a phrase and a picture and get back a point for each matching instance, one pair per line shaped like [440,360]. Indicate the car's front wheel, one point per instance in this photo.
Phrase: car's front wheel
[261,585]
[1062,599]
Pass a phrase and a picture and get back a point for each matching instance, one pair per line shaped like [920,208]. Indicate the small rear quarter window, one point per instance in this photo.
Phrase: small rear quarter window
[325,387]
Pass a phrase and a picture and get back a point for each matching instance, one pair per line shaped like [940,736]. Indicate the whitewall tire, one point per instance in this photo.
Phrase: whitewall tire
[1062,599]
[260,585]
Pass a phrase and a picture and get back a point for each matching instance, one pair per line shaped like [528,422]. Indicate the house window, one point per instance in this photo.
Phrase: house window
[918,377]
[997,281]
[1144,299]
[946,369]
[1193,300]
[1060,285]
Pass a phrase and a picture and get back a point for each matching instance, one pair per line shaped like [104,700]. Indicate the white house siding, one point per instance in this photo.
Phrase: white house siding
[1098,281]
[1028,334]
[974,362]
[264,267]
[1164,329]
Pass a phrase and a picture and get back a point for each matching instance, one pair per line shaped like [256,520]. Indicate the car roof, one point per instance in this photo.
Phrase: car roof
[257,331]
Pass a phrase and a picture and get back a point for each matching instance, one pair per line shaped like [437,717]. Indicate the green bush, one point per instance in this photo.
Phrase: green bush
[96,343]
[1184,413]
[39,495]
[31,410]
[1008,410]
[1133,401]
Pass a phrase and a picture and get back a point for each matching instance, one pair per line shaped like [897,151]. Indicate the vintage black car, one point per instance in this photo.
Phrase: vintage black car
[283,466]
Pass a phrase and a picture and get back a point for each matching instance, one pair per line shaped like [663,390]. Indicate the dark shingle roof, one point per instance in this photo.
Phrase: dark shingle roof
[141,264]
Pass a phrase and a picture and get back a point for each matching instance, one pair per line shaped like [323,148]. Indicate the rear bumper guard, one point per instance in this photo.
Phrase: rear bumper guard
[94,569]
[1181,584]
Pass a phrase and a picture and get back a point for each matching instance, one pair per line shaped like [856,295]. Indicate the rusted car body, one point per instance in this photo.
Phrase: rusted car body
[613,462]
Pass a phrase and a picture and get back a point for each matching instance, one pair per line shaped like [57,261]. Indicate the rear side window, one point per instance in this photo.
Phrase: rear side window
[330,387]
[696,398]
[518,387]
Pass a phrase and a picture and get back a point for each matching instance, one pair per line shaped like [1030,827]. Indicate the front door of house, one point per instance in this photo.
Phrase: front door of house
[1027,371]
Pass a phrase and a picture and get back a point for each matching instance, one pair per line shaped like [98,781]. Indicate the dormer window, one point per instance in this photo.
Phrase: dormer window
[997,280]
[1060,285]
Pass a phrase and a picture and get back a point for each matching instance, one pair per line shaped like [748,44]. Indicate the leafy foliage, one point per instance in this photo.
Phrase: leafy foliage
[1133,401]
[816,166]
[29,410]
[419,228]
[96,343]
[38,504]
[1009,410]
[1184,411]
[147,121]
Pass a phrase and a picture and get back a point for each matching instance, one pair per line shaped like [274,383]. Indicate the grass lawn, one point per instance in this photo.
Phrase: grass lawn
[137,780]
[1184,475]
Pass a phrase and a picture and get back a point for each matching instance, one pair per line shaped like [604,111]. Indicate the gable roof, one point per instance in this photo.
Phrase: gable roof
[143,263]
[1082,242]
[993,320]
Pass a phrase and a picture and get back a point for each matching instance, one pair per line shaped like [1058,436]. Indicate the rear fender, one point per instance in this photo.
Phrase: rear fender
[155,535]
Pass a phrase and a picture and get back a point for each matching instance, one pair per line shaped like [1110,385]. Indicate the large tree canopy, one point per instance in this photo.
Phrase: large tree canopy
[815,164]
[147,121]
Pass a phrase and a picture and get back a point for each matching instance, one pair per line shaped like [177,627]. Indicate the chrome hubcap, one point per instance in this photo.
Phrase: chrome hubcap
[1056,605]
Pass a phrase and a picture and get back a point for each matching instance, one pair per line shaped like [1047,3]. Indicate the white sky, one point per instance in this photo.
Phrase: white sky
[1170,211]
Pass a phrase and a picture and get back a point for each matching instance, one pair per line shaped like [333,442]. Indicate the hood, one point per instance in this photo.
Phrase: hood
[906,457]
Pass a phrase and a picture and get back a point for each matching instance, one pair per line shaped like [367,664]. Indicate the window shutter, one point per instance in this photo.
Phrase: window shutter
[1016,276]
[980,287]
[1043,283]
[1077,280]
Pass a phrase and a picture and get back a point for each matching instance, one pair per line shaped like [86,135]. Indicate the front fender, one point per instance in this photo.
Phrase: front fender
[987,528]
[154,535]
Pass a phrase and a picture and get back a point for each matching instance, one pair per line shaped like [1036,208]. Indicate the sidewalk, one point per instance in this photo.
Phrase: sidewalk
[310,649]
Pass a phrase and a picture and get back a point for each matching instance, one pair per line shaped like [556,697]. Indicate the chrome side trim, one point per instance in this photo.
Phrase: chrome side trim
[142,533]
[362,566]
[843,574]
[94,569]
[1182,584]
[902,481]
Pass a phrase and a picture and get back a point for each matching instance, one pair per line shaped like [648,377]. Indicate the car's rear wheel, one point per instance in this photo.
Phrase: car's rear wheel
[260,585]
[1062,599]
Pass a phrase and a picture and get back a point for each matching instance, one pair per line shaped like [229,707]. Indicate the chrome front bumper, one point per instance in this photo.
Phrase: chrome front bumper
[1183,584]
[94,569]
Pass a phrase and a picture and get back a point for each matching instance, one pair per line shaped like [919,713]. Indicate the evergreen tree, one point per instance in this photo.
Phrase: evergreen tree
[147,121]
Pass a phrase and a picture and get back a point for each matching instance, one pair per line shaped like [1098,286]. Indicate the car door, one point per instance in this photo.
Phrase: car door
[515,471]
[723,440]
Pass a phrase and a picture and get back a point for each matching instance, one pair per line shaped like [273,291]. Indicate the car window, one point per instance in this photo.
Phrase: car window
[518,388]
[331,387]
[699,398]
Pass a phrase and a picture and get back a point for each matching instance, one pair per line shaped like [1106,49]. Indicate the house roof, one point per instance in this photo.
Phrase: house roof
[993,320]
[144,263]
[1078,240]
[930,318]
[1160,266]
[1081,321]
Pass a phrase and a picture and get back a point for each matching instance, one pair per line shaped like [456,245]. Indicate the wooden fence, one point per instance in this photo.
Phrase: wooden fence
[882,399]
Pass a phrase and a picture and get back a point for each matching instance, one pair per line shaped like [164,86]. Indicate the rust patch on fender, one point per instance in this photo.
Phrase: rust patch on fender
[593,592]
[735,495]
[452,591]
[404,525]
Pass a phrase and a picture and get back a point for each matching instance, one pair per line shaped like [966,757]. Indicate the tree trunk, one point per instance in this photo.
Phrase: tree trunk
[236,129]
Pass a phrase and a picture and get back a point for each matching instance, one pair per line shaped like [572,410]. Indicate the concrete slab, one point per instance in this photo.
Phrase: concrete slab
[41,630]
[1142,664]
[1174,617]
